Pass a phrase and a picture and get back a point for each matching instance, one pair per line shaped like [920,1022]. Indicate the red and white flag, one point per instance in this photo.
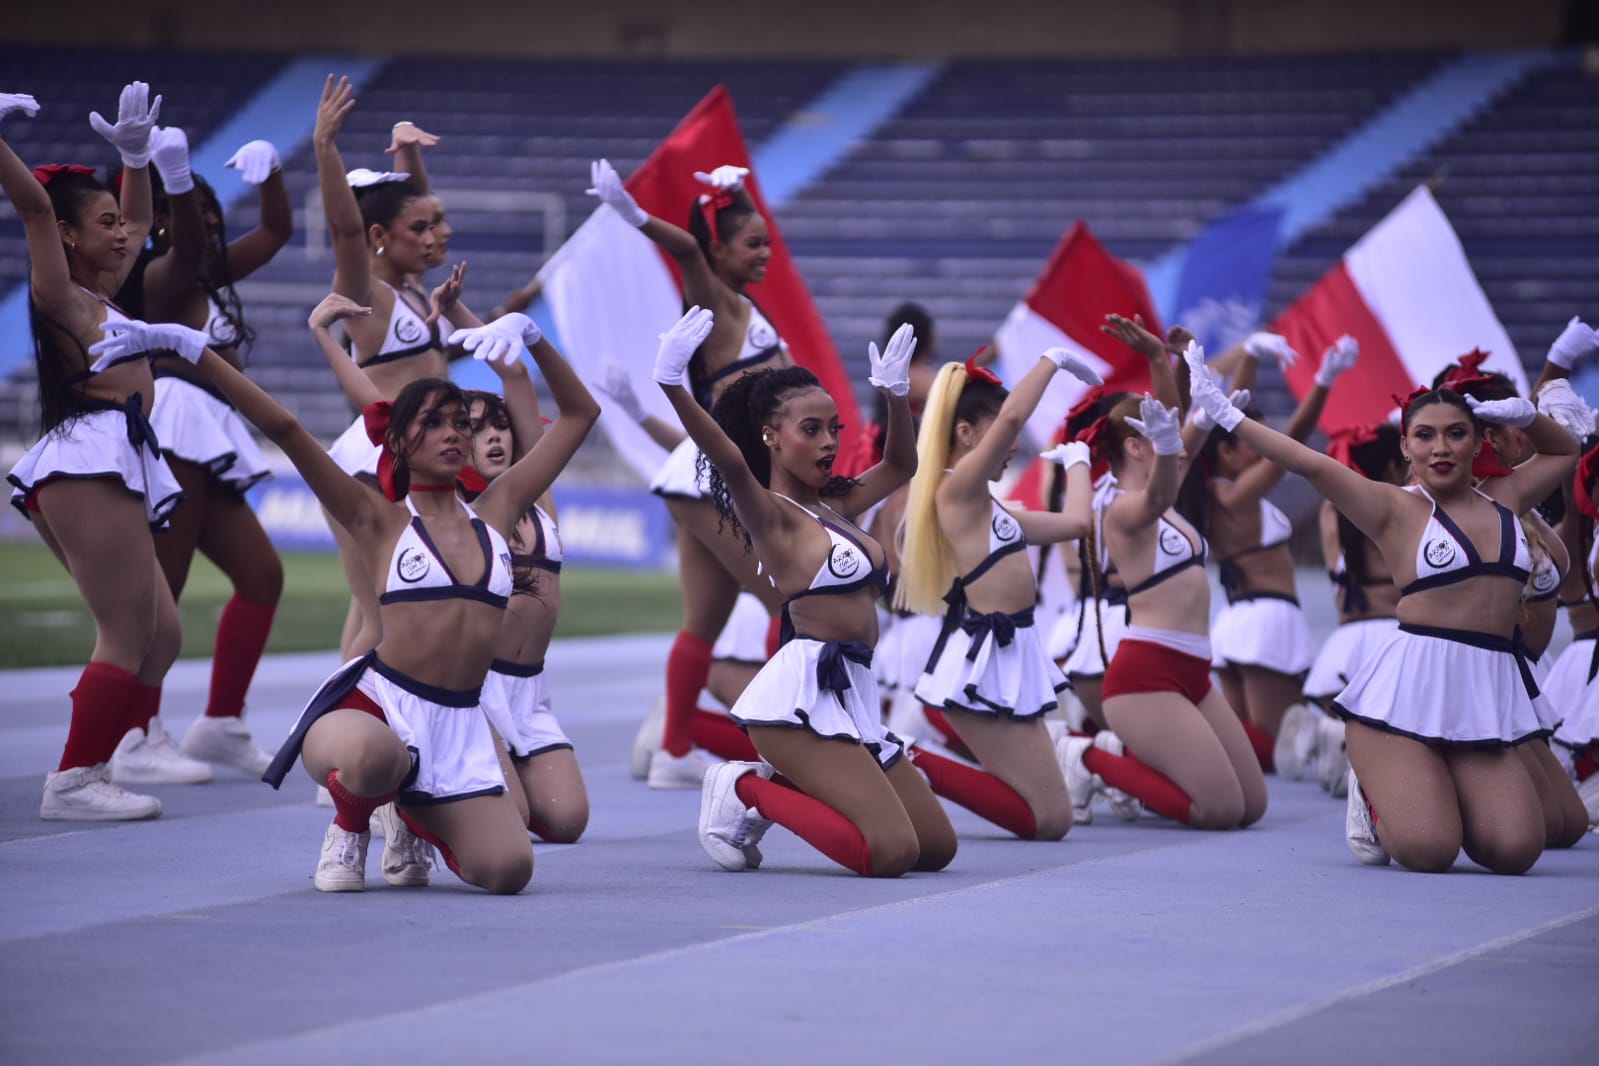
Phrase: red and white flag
[1407,294]
[1081,284]
[613,292]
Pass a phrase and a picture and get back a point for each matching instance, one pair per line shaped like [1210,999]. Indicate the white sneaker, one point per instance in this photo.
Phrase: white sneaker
[1079,782]
[1588,792]
[86,794]
[1295,751]
[685,771]
[324,798]
[1359,830]
[729,831]
[226,741]
[1332,757]
[1125,807]
[647,741]
[152,757]
[343,864]
[406,856]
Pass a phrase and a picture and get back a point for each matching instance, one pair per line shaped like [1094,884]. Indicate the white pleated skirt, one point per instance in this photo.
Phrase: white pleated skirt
[1266,632]
[96,445]
[976,673]
[786,692]
[1346,648]
[195,426]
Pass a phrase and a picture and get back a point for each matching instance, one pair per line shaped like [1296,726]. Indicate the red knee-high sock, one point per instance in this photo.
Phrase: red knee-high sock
[352,812]
[721,736]
[1585,765]
[813,821]
[936,719]
[774,636]
[1261,741]
[241,638]
[688,665]
[443,849]
[145,705]
[100,708]
[1158,792]
[978,791]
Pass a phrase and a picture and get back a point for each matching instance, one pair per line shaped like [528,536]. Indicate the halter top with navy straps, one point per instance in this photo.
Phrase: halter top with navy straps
[417,570]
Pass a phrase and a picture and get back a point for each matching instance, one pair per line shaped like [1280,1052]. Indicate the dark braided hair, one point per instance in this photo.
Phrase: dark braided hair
[743,410]
[215,279]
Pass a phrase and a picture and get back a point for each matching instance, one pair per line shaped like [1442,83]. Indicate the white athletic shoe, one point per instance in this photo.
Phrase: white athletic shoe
[1332,758]
[1295,751]
[343,864]
[324,798]
[152,757]
[1125,807]
[1359,830]
[1079,782]
[647,741]
[1588,791]
[729,831]
[226,741]
[680,771]
[86,794]
[406,856]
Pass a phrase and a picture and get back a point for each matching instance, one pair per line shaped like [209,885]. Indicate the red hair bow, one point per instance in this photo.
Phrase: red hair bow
[1587,471]
[711,204]
[375,417]
[1084,402]
[49,171]
[1467,372]
[1404,402]
[470,481]
[1487,463]
[1095,433]
[981,373]
[1343,443]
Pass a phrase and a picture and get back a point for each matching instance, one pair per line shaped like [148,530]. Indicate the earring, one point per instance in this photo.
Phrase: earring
[768,440]
[380,249]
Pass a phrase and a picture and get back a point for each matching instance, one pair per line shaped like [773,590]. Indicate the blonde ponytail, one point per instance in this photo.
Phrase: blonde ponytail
[926,562]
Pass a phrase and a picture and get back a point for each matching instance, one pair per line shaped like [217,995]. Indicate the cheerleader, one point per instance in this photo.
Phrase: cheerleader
[95,484]
[210,449]
[1186,755]
[724,250]
[1432,717]
[1575,677]
[964,556]
[831,773]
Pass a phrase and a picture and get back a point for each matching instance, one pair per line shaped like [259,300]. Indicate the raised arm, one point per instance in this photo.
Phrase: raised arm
[1076,514]
[1156,423]
[521,405]
[352,379]
[700,284]
[48,272]
[406,141]
[130,135]
[891,377]
[1131,332]
[1533,480]
[352,274]
[170,276]
[616,386]
[259,165]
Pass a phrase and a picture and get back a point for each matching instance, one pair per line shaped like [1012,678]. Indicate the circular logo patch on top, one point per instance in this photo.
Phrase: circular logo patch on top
[1005,527]
[221,331]
[408,331]
[413,565]
[1545,579]
[1439,553]
[843,561]
[1173,542]
[761,334]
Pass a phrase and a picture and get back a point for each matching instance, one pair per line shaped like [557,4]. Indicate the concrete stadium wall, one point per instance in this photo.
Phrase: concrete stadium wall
[846,29]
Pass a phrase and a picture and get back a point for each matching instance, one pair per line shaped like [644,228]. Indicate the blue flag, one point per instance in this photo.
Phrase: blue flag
[1223,285]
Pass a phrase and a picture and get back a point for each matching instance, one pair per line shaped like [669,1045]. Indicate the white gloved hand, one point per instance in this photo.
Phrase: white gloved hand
[607,185]
[725,178]
[1514,411]
[10,102]
[136,115]
[361,177]
[1206,394]
[1069,454]
[1075,365]
[1158,424]
[679,344]
[617,385]
[256,161]
[169,154]
[1270,348]
[504,340]
[1239,398]
[1337,359]
[1575,341]
[123,340]
[891,369]
[1561,403]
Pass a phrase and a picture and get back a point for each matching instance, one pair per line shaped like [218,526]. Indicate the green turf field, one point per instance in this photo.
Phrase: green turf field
[44,623]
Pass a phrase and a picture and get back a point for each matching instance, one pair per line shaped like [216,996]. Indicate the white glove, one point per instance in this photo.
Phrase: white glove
[725,178]
[679,344]
[1270,348]
[1158,424]
[505,340]
[361,177]
[169,153]
[123,340]
[1575,341]
[1514,411]
[136,117]
[891,368]
[607,185]
[1337,359]
[1206,394]
[1075,365]
[255,162]
[1239,398]
[617,385]
[10,102]
[1068,455]
[1560,402]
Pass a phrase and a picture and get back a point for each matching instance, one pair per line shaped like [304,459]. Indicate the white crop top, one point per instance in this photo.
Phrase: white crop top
[418,572]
